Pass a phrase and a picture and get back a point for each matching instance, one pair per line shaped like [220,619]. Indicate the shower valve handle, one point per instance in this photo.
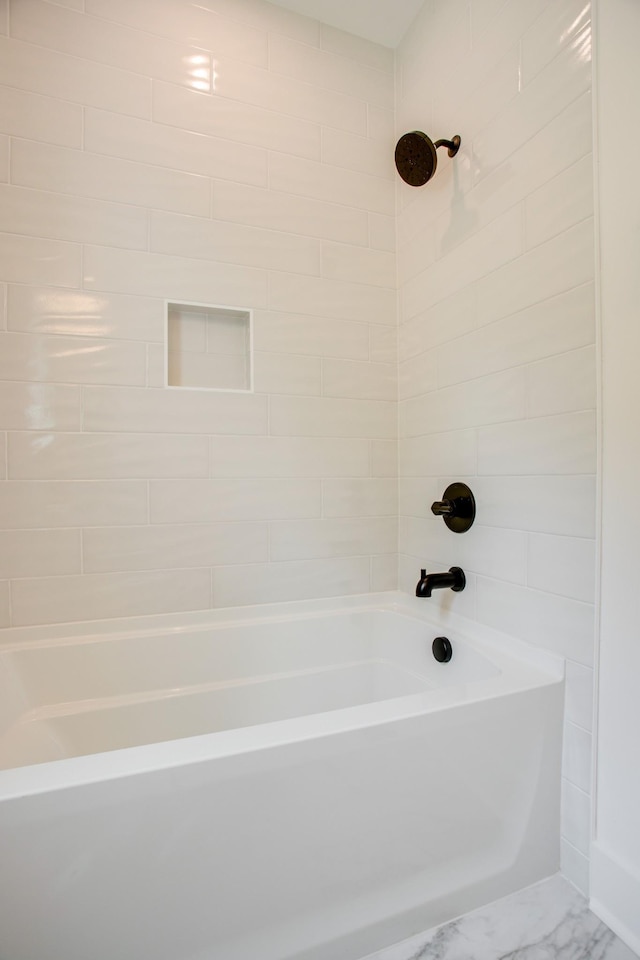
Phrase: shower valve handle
[443,508]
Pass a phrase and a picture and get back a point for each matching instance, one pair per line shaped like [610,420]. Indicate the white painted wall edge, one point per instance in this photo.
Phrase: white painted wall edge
[615,860]
[613,882]
[599,418]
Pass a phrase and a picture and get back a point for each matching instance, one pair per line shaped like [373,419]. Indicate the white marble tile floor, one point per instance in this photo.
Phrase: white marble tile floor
[549,921]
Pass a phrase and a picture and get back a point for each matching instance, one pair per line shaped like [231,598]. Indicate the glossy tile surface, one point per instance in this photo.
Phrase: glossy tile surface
[44,71]
[58,169]
[550,921]
[497,367]
[35,117]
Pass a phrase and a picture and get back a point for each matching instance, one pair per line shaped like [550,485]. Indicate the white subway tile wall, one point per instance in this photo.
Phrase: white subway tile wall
[235,153]
[497,382]
[225,153]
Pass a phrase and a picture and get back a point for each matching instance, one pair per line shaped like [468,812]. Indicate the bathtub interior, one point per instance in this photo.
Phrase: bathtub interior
[81,695]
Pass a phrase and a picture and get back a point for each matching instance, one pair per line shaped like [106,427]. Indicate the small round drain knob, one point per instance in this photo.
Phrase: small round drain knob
[442,649]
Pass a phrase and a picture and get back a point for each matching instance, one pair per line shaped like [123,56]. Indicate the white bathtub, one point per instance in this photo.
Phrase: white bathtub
[293,781]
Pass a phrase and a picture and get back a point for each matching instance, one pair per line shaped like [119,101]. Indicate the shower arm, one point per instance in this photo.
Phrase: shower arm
[452,145]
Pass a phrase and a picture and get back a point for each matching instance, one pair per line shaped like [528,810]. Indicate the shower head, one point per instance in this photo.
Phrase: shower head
[416,158]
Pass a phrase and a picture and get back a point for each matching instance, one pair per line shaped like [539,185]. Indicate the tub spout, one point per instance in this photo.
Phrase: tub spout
[454,579]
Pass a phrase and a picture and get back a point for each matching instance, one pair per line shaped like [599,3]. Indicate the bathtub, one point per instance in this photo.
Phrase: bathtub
[299,781]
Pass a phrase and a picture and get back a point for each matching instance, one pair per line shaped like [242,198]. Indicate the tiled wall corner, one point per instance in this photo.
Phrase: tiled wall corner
[227,153]
[496,337]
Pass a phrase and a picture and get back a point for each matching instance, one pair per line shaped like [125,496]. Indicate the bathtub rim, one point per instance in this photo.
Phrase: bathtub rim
[486,639]
[521,668]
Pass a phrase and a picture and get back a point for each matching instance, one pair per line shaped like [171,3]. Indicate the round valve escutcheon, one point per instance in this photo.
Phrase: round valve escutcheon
[457,507]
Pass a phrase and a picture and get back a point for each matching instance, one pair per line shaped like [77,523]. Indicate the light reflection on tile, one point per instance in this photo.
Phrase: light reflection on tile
[82,313]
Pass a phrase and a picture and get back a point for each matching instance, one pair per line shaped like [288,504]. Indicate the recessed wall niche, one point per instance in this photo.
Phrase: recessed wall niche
[208,347]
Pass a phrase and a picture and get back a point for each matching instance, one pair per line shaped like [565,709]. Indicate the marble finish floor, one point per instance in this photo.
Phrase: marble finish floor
[549,921]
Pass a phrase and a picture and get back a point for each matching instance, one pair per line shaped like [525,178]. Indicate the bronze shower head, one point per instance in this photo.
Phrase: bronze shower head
[416,158]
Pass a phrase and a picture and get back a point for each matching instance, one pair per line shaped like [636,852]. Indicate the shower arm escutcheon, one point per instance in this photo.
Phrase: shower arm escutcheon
[452,145]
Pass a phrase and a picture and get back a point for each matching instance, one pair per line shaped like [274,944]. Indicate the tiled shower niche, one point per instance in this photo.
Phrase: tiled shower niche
[208,347]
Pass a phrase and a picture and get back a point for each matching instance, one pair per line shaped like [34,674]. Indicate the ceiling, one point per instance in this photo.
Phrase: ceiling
[383,21]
